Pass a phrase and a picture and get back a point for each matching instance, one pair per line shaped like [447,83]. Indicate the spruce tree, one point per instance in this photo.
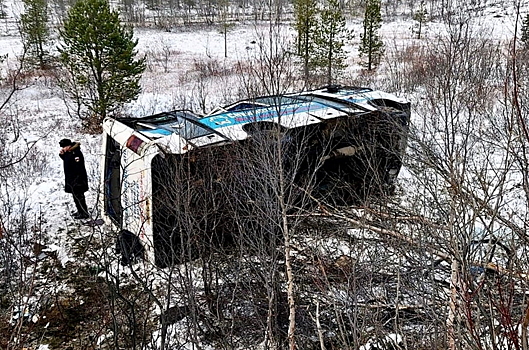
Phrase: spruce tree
[330,39]
[305,12]
[34,30]
[99,56]
[371,45]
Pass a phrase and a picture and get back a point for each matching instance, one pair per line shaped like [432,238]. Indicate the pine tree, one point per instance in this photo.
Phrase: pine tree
[34,30]
[371,44]
[225,25]
[3,14]
[98,53]
[525,31]
[420,16]
[305,25]
[330,39]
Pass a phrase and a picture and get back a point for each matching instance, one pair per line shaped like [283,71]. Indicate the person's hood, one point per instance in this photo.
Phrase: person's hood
[75,145]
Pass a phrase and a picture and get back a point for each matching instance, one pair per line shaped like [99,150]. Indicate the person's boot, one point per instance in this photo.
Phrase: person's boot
[82,208]
[81,216]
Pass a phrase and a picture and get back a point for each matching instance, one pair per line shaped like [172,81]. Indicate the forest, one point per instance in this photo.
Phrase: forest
[439,261]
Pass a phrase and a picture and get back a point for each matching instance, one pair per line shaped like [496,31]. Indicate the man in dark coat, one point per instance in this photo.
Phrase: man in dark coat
[75,178]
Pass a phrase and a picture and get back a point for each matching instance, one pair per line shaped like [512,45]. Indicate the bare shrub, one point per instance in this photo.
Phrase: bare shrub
[211,68]
[164,59]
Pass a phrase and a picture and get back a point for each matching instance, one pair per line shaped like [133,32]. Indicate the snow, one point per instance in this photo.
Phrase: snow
[44,119]
[391,341]
[172,56]
[62,254]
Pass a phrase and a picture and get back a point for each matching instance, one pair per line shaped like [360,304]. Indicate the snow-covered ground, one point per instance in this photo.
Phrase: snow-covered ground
[173,59]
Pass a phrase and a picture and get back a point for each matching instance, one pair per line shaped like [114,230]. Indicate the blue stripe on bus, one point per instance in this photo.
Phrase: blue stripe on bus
[260,114]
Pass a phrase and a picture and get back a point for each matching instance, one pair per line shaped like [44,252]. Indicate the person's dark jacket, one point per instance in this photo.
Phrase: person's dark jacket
[75,178]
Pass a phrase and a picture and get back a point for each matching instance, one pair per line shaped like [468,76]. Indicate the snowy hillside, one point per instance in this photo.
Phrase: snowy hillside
[392,272]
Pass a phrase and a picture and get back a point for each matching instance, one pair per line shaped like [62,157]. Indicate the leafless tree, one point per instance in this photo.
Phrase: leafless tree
[463,154]
[20,231]
[252,251]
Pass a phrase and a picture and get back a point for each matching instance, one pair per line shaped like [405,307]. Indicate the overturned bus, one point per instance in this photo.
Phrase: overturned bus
[177,180]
